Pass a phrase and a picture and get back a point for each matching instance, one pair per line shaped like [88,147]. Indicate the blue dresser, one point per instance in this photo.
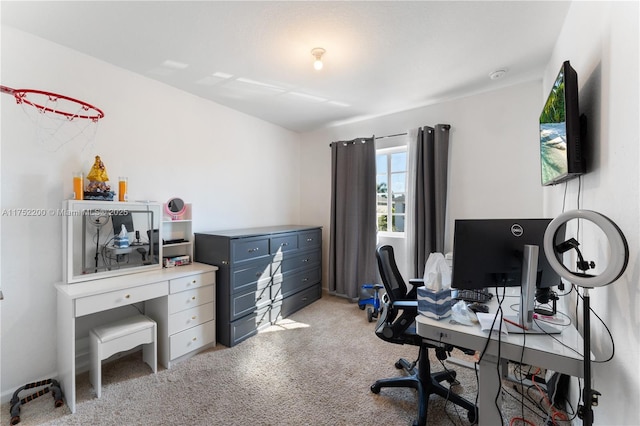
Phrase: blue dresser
[265,274]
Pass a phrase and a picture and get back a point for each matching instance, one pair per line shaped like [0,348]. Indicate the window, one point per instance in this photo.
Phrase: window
[391,183]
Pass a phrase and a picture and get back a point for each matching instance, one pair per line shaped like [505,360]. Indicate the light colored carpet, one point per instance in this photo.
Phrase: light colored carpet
[315,368]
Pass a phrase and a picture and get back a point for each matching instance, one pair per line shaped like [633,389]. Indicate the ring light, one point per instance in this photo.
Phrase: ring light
[619,249]
[617,264]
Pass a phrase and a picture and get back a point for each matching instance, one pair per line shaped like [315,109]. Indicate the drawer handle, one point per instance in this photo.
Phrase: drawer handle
[305,260]
[284,244]
[193,282]
[193,317]
[127,296]
[253,249]
[193,298]
[304,280]
[309,240]
[194,339]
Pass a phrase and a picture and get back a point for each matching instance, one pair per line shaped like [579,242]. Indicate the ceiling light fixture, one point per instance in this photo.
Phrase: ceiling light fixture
[317,53]
[497,74]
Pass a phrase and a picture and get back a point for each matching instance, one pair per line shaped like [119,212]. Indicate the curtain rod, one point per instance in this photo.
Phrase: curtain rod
[376,137]
[391,136]
[445,127]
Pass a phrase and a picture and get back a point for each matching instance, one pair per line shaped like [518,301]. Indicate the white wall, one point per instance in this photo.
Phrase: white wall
[600,39]
[236,170]
[494,156]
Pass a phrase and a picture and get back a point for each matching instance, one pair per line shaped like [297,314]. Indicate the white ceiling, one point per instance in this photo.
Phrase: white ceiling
[381,57]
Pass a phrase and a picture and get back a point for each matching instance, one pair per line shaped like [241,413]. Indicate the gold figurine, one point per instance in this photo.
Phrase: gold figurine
[98,178]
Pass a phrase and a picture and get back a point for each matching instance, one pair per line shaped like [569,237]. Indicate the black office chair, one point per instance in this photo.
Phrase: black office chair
[397,325]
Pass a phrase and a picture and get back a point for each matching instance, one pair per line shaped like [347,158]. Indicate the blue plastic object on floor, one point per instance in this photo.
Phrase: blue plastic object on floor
[369,295]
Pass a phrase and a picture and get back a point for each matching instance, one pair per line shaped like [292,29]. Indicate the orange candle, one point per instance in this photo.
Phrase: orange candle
[122,189]
[78,190]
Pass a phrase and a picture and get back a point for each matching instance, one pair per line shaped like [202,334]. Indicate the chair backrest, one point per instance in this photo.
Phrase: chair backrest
[391,278]
[395,324]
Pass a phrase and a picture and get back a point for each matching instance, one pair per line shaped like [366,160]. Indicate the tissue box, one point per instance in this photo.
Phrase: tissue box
[120,242]
[434,304]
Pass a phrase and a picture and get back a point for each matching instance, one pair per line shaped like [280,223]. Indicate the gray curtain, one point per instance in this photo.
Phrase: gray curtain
[352,242]
[428,183]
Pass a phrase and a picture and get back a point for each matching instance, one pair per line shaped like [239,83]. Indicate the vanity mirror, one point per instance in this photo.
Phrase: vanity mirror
[92,249]
[175,208]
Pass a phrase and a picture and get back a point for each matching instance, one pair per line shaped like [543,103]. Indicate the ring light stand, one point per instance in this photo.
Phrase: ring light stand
[617,264]
[98,219]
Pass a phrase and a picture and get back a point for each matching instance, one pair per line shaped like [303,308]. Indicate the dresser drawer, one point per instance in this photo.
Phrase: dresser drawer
[192,339]
[246,277]
[283,243]
[294,282]
[191,317]
[296,261]
[191,282]
[243,304]
[310,239]
[300,300]
[249,325]
[190,298]
[113,299]
[248,249]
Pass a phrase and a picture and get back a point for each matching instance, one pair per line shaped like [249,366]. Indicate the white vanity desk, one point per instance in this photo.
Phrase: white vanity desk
[180,300]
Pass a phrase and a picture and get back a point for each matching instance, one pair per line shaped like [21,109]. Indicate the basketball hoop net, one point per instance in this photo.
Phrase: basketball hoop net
[58,119]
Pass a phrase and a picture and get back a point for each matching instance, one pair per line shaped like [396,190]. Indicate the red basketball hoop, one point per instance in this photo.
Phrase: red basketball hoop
[51,112]
[30,97]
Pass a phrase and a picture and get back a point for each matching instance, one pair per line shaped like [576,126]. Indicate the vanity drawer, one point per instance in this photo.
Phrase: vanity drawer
[113,299]
[191,282]
[190,299]
[192,339]
[191,317]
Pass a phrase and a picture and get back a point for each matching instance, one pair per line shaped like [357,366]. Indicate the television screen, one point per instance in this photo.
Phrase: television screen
[560,127]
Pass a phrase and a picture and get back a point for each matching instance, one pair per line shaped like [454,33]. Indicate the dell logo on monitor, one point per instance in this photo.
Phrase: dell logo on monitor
[517,230]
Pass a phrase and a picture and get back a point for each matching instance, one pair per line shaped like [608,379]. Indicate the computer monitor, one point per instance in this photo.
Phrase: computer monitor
[123,218]
[489,253]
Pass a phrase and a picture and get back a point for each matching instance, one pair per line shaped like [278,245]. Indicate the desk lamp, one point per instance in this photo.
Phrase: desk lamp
[618,259]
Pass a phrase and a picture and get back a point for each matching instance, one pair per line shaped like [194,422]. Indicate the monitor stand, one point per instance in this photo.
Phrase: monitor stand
[528,298]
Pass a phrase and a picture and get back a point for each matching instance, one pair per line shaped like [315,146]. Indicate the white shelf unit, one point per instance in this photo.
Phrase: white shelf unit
[174,228]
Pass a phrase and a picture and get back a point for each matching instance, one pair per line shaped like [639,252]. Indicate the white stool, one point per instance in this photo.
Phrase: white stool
[119,336]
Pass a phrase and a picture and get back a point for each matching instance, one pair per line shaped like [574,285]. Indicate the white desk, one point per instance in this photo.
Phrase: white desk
[562,355]
[77,301]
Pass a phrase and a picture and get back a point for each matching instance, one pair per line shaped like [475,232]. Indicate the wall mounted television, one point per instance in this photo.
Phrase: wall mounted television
[562,130]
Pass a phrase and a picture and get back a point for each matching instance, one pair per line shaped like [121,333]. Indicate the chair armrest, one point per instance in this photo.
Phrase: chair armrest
[416,281]
[405,304]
